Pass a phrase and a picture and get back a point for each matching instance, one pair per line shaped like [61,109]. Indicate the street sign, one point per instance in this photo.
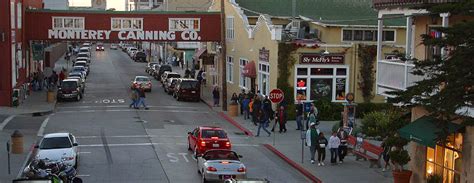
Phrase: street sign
[276,95]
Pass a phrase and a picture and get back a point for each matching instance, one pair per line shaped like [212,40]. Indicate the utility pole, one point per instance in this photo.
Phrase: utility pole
[223,58]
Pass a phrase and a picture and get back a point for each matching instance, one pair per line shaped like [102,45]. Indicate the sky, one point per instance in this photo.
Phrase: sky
[117,4]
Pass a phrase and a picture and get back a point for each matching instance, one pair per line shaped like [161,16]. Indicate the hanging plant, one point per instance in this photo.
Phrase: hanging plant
[367,54]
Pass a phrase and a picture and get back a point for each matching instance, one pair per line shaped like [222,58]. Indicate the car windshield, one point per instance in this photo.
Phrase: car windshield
[140,54]
[69,84]
[55,143]
[174,76]
[208,133]
[142,79]
[221,155]
[82,55]
[165,68]
[78,68]
[80,64]
[188,84]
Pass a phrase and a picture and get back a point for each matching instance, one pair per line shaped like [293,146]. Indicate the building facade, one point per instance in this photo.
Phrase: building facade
[454,159]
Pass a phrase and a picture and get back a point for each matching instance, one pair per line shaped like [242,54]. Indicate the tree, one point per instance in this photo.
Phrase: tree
[449,80]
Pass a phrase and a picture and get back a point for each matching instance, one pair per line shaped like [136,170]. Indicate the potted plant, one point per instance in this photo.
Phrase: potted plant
[399,158]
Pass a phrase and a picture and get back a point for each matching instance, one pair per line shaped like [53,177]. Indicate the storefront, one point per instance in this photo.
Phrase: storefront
[321,76]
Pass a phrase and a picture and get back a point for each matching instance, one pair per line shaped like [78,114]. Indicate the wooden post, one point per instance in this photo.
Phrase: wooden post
[223,58]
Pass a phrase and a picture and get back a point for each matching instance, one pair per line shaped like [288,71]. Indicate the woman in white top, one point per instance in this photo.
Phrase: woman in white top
[334,143]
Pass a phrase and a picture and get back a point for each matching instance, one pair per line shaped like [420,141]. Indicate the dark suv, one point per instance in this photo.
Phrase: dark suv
[161,70]
[187,89]
[139,57]
[70,89]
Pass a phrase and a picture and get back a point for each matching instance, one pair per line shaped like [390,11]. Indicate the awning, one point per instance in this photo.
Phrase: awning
[199,52]
[424,131]
[249,70]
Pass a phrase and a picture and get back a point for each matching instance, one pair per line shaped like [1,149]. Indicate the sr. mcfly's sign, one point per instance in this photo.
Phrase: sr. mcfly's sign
[122,26]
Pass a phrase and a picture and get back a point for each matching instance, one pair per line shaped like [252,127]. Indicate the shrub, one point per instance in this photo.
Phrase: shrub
[364,108]
[377,123]
[329,111]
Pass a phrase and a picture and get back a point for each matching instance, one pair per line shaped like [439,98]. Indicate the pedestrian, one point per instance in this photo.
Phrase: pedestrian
[312,116]
[245,104]
[199,76]
[260,96]
[385,154]
[342,134]
[334,143]
[262,122]
[234,99]
[54,78]
[256,106]
[323,143]
[241,101]
[134,97]
[204,78]
[215,96]
[281,117]
[62,76]
[141,99]
[312,140]
[251,110]
[299,115]
[40,80]
[187,73]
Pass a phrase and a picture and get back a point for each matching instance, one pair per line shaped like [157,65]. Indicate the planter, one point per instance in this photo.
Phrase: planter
[401,176]
[50,97]
[233,110]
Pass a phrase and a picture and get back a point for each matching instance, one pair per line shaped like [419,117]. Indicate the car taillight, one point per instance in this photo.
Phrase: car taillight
[215,138]
[203,144]
[241,169]
[227,144]
[69,158]
[211,169]
[225,162]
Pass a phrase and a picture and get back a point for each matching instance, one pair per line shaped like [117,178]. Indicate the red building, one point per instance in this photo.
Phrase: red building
[15,63]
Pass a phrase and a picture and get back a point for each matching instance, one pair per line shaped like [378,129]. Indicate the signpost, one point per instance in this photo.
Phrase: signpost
[276,96]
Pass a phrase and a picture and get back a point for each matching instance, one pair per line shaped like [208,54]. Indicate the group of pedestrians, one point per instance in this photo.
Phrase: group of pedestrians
[317,142]
[138,98]
[39,81]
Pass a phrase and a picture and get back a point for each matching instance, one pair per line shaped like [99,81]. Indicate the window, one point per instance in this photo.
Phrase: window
[68,22]
[12,15]
[264,78]
[182,24]
[19,15]
[229,28]
[322,82]
[433,51]
[230,69]
[446,160]
[244,82]
[366,35]
[118,24]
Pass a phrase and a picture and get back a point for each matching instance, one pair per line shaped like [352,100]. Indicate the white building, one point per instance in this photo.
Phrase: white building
[56,4]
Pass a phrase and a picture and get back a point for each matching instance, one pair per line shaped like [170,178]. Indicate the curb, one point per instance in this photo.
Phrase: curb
[236,124]
[295,165]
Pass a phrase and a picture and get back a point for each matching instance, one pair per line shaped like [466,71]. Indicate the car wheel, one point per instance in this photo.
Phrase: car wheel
[75,163]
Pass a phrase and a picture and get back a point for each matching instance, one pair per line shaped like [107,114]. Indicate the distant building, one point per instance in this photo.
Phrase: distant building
[56,4]
[132,5]
[99,4]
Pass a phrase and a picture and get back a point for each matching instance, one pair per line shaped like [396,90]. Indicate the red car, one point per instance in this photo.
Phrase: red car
[204,138]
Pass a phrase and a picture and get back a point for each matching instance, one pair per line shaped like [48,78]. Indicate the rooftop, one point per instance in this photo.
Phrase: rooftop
[331,12]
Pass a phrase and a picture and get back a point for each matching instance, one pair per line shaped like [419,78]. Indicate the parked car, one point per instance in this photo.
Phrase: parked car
[85,50]
[220,165]
[56,147]
[168,74]
[80,69]
[161,70]
[149,67]
[84,64]
[82,59]
[141,82]
[113,47]
[130,50]
[82,81]
[100,47]
[139,56]
[70,89]
[204,138]
[170,85]
[78,74]
[155,70]
[187,89]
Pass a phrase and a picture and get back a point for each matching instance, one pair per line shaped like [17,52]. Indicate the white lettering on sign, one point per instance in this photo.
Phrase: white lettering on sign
[188,35]
[276,95]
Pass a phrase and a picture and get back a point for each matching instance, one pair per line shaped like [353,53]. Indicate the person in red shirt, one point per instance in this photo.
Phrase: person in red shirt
[62,76]
[281,117]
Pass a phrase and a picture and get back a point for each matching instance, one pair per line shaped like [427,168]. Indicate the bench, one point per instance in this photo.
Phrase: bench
[351,140]
[368,147]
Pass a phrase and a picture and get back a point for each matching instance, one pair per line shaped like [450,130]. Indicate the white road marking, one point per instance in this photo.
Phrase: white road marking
[79,175]
[84,152]
[159,143]
[130,110]
[6,121]
[43,125]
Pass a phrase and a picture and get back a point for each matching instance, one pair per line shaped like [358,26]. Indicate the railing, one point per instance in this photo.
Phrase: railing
[395,75]
[401,3]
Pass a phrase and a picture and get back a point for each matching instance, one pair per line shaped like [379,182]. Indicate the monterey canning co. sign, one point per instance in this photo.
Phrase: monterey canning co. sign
[122,26]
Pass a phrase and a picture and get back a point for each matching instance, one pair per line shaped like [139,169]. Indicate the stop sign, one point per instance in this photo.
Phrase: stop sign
[276,95]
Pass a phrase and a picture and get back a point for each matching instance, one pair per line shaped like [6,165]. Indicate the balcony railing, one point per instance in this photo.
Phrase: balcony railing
[409,3]
[395,75]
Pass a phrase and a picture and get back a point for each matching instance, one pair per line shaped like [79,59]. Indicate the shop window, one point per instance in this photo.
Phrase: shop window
[322,71]
[230,69]
[244,82]
[264,78]
[321,88]
[446,161]
[118,24]
[68,22]
[341,72]
[302,71]
[340,88]
[301,88]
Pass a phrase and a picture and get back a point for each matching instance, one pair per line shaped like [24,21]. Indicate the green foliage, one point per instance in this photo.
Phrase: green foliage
[364,108]
[375,123]
[286,61]
[329,111]
[434,178]
[399,158]
[367,54]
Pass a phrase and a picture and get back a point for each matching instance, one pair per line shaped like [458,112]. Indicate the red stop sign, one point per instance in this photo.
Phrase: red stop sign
[276,95]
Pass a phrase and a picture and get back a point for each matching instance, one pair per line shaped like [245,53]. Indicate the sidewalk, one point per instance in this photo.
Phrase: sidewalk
[289,147]
[16,160]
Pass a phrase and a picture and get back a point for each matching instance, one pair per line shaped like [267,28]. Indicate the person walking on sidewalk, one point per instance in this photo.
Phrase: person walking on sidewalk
[342,134]
[134,97]
[323,143]
[281,118]
[312,117]
[334,143]
[62,76]
[299,115]
[256,107]
[215,96]
[141,100]
[385,155]
[262,121]
[241,101]
[234,99]
[245,104]
[312,140]
[40,80]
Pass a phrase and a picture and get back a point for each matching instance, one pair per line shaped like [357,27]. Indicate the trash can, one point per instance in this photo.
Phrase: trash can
[17,142]
[51,96]
[233,109]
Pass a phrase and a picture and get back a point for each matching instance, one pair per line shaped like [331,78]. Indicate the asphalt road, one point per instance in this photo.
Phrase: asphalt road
[119,144]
